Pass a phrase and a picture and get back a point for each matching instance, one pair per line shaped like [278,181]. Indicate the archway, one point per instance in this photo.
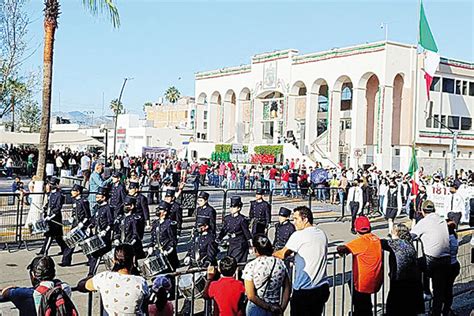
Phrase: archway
[216,127]
[371,98]
[270,111]
[397,108]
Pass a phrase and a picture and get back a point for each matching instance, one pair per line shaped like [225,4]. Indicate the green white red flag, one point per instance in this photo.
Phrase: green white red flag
[426,40]
[414,172]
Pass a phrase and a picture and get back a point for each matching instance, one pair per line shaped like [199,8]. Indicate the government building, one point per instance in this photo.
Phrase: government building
[346,106]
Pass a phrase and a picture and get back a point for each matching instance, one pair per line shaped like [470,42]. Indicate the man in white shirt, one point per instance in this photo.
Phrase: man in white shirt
[454,206]
[355,201]
[310,246]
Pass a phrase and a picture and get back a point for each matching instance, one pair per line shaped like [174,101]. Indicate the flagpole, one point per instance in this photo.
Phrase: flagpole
[415,103]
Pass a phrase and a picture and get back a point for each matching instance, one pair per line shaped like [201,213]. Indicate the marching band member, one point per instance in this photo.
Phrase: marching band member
[103,222]
[283,229]
[53,217]
[163,235]
[204,251]
[142,211]
[236,227]
[128,232]
[176,212]
[260,213]
[205,210]
[117,195]
[81,215]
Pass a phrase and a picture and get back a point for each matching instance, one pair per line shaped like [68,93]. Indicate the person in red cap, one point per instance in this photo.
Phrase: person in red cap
[366,265]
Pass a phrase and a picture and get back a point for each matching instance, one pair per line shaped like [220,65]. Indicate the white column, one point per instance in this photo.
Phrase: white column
[333,128]
[358,119]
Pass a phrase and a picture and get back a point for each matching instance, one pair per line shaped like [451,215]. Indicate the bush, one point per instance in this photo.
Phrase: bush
[226,148]
[274,150]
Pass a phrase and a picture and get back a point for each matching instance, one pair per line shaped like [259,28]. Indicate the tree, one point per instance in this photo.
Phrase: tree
[30,117]
[145,105]
[51,15]
[172,94]
[116,106]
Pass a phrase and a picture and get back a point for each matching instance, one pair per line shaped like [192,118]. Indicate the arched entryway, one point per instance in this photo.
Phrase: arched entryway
[270,114]
[341,119]
[396,131]
[229,108]
[216,113]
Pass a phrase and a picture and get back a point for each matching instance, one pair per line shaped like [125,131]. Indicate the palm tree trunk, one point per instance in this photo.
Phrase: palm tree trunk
[49,31]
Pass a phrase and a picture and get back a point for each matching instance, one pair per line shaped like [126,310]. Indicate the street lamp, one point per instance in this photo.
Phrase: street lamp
[105,130]
[116,114]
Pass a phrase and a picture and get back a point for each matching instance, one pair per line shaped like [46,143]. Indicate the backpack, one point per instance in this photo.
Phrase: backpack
[55,301]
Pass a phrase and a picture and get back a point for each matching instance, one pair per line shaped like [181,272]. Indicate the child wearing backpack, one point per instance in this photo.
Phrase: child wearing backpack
[51,296]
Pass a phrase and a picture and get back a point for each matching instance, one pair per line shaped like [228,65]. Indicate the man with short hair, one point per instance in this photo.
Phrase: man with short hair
[227,292]
[310,246]
[433,233]
[366,250]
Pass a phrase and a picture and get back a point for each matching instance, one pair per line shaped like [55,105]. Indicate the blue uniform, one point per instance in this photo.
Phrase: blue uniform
[210,212]
[142,213]
[283,232]
[205,245]
[81,213]
[117,196]
[55,228]
[129,234]
[236,227]
[176,214]
[260,216]
[163,236]
[102,220]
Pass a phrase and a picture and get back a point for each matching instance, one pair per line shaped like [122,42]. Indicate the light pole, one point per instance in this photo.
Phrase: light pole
[116,114]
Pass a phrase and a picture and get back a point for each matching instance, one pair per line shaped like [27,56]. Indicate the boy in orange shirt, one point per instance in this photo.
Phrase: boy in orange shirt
[367,271]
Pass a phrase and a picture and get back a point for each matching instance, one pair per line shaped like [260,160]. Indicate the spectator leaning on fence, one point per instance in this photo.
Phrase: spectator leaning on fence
[310,246]
[122,292]
[366,265]
[405,296]
[227,292]
[433,233]
[266,278]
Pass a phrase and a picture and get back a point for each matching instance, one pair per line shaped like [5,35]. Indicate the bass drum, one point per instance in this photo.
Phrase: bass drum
[185,284]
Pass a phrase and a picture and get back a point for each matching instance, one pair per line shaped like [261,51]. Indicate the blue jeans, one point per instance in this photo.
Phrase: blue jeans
[254,310]
[272,184]
[341,196]
[294,192]
[321,194]
[242,183]
[284,186]
[381,198]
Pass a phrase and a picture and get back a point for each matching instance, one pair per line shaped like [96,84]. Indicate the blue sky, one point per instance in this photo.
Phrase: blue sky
[159,42]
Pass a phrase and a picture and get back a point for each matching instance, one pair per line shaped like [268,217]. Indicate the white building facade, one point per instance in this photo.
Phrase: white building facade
[351,106]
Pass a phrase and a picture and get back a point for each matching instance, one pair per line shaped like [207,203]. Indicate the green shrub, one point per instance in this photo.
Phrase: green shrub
[274,150]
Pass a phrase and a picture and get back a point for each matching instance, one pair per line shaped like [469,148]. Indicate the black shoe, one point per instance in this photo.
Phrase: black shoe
[62,264]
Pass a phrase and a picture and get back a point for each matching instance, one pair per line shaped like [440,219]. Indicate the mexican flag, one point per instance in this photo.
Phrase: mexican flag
[414,172]
[426,40]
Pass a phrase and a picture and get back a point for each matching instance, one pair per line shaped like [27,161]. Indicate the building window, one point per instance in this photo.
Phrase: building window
[429,122]
[459,153]
[203,136]
[466,123]
[470,154]
[437,118]
[448,85]
[458,86]
[430,152]
[346,97]
[349,124]
[205,115]
[397,152]
[453,122]
[322,126]
[464,87]
[323,103]
[185,114]
[267,130]
[204,125]
[444,153]
[198,135]
[471,89]
[435,85]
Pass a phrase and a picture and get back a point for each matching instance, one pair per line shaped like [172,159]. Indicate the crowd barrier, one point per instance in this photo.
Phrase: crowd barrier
[339,275]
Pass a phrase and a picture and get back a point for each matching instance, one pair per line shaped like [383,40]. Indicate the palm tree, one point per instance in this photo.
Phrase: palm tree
[116,106]
[51,15]
[172,94]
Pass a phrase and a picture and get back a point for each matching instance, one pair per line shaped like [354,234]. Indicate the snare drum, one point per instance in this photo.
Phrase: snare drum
[92,244]
[185,284]
[152,266]
[109,259]
[74,237]
[39,227]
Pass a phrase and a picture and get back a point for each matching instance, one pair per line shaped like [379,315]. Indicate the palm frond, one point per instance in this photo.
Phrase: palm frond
[100,6]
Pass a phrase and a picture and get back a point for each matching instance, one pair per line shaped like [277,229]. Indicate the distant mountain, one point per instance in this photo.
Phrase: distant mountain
[83,119]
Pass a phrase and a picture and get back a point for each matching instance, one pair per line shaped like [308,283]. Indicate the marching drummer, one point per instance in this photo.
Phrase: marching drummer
[236,227]
[81,215]
[129,231]
[204,250]
[103,222]
[142,212]
[53,217]
[283,229]
[117,194]
[205,210]
[176,212]
[260,213]
[163,235]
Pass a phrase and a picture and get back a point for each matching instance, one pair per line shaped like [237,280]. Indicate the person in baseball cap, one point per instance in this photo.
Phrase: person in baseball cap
[362,225]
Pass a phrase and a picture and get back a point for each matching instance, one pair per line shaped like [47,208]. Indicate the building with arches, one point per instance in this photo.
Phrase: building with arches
[352,106]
